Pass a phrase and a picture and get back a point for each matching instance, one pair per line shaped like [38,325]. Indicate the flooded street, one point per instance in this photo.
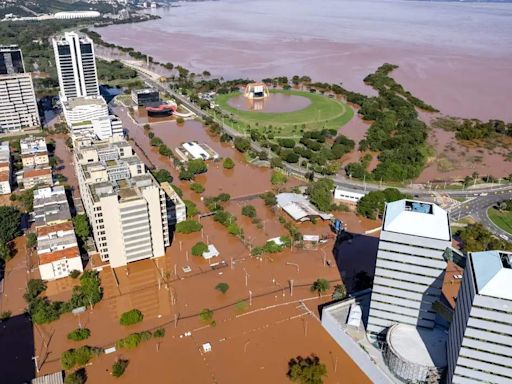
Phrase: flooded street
[456,56]
[275,102]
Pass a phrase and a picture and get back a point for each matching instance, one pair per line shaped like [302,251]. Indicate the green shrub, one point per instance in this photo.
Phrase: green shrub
[79,334]
[242,144]
[191,208]
[131,317]
[222,287]
[188,226]
[228,163]
[159,333]
[249,211]
[206,315]
[79,356]
[74,274]
[34,288]
[180,120]
[278,178]
[197,187]
[199,248]
[119,367]
[133,340]
[77,377]
[31,240]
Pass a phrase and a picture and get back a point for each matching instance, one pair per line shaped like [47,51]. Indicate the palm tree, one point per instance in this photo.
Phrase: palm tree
[320,286]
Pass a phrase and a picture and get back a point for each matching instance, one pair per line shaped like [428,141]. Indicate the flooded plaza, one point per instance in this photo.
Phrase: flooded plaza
[274,103]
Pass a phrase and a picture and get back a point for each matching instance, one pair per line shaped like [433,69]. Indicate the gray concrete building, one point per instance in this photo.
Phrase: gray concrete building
[126,206]
[480,337]
[410,266]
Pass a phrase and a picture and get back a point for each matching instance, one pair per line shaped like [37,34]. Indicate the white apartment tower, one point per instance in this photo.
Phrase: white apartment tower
[76,66]
[126,207]
[18,106]
[410,265]
[480,337]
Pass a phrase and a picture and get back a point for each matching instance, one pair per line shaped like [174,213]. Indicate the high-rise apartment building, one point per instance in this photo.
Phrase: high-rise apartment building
[126,206]
[11,60]
[76,66]
[480,337]
[18,106]
[410,265]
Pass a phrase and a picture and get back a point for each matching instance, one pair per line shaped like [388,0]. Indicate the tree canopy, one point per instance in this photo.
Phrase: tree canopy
[82,228]
[307,370]
[321,194]
[372,204]
[10,220]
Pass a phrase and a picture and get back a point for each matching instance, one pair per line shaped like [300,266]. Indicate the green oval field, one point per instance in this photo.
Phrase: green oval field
[323,112]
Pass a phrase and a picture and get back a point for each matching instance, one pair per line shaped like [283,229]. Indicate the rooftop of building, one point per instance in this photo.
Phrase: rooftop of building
[144,91]
[86,101]
[9,48]
[299,207]
[417,218]
[421,346]
[36,172]
[68,253]
[31,145]
[63,39]
[493,273]
[53,228]
[50,206]
[49,195]
[63,241]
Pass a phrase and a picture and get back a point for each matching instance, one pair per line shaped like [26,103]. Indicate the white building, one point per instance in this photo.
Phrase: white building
[480,337]
[5,168]
[126,207]
[410,265]
[76,66]
[81,111]
[176,208]
[106,127]
[77,15]
[299,207]
[18,107]
[11,60]
[347,196]
[57,247]
[57,251]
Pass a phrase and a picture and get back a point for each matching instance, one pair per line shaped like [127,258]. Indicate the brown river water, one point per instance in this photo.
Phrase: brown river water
[456,56]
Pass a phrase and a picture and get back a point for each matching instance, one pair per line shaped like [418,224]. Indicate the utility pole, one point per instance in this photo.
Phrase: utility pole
[250,298]
[291,287]
[246,276]
[35,363]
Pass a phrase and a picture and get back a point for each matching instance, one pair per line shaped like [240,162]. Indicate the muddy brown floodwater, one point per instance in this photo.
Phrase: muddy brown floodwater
[456,56]
[274,103]
[252,340]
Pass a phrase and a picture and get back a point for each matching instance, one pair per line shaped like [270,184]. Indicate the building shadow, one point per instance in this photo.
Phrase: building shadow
[355,256]
[17,350]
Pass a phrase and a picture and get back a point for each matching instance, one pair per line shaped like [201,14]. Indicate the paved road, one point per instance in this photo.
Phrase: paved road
[477,208]
[480,198]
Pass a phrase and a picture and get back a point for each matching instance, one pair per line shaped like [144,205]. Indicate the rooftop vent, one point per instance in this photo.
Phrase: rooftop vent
[415,206]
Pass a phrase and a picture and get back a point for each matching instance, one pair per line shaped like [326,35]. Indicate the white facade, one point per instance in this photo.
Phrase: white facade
[18,107]
[81,111]
[77,15]
[410,265]
[348,196]
[76,66]
[480,337]
[106,127]
[5,168]
[126,207]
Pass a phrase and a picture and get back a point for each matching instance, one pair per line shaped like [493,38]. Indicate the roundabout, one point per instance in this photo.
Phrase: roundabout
[285,112]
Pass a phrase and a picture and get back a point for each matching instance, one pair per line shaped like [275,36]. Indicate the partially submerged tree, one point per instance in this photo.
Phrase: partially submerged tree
[307,370]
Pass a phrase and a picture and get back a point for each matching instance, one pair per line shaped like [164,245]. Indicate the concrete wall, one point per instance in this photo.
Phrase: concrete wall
[356,353]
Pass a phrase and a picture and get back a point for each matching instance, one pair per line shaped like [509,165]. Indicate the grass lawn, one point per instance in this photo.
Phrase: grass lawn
[323,112]
[501,219]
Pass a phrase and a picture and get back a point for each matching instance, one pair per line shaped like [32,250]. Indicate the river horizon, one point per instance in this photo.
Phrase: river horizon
[455,56]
